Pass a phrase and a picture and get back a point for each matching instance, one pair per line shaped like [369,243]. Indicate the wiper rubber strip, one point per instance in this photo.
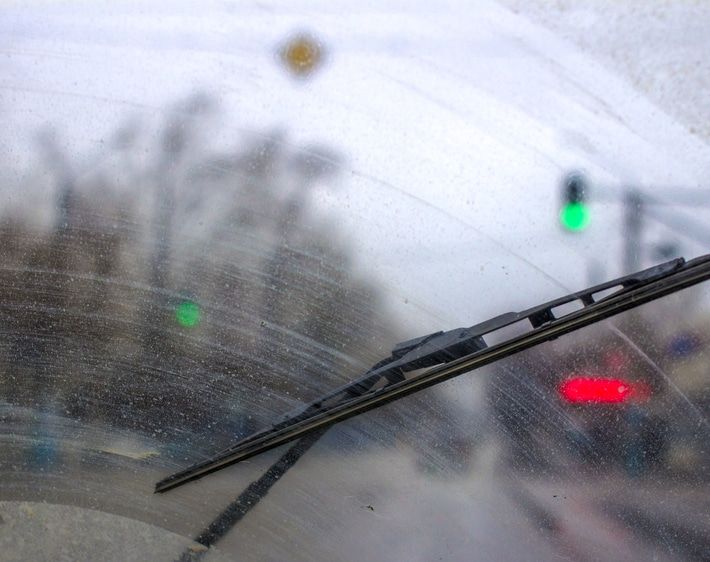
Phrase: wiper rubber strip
[453,353]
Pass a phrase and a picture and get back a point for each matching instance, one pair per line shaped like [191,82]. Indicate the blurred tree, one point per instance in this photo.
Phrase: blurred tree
[90,300]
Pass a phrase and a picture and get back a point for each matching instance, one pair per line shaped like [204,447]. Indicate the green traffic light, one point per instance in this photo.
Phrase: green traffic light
[187,314]
[575,216]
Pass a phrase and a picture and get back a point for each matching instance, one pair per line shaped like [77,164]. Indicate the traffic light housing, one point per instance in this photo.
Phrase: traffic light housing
[574,214]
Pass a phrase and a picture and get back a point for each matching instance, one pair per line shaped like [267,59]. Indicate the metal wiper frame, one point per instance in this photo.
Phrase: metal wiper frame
[453,353]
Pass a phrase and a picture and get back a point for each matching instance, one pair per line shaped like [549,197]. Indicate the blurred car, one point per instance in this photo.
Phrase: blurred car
[593,400]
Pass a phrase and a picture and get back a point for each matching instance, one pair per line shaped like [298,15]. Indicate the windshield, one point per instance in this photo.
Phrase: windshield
[215,213]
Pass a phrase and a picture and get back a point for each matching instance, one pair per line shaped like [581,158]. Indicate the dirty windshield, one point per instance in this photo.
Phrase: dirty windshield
[215,214]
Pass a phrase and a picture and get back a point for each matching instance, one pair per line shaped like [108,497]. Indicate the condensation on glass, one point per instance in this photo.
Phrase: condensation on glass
[205,226]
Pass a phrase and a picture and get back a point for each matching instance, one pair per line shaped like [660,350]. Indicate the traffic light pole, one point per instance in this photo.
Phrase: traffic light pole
[638,207]
[633,211]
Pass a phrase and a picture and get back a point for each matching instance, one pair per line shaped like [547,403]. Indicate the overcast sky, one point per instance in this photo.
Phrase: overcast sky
[457,125]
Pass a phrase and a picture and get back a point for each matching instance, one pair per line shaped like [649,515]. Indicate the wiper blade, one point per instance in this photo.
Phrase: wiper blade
[453,353]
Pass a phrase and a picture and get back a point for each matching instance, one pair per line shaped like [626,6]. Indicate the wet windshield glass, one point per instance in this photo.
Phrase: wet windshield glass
[214,214]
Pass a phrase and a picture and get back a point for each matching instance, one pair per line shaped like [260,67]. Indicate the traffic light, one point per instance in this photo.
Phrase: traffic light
[187,314]
[574,214]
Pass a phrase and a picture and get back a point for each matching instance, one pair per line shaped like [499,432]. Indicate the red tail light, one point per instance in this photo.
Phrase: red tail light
[600,390]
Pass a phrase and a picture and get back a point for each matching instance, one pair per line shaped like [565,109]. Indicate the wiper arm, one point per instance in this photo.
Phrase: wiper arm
[453,353]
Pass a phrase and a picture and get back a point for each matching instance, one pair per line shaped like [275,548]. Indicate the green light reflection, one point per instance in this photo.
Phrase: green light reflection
[187,314]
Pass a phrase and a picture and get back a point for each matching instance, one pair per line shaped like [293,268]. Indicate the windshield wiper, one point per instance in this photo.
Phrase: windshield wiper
[453,353]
